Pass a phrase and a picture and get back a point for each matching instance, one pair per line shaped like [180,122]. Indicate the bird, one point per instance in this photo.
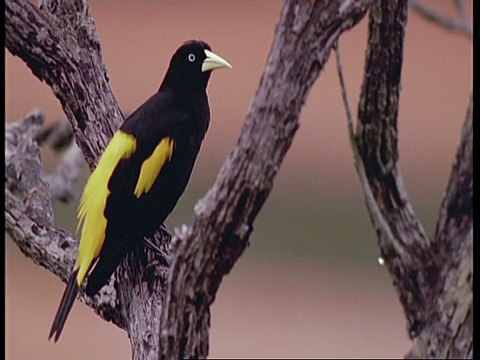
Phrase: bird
[142,173]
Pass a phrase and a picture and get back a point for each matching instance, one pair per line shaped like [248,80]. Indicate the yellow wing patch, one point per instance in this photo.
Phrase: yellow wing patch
[152,165]
[94,199]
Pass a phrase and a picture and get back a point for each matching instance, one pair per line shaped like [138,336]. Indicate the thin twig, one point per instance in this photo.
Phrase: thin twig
[462,26]
[344,94]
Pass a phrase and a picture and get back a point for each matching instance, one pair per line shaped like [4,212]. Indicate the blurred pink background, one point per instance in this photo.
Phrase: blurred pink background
[309,285]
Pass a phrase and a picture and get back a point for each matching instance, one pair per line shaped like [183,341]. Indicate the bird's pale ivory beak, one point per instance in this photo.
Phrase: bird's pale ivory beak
[213,61]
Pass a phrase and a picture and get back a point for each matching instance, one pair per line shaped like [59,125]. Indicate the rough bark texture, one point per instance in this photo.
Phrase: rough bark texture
[404,245]
[433,278]
[208,249]
[29,219]
[141,291]
[59,43]
[163,301]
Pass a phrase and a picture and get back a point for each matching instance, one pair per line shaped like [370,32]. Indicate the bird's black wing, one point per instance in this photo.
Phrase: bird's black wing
[130,216]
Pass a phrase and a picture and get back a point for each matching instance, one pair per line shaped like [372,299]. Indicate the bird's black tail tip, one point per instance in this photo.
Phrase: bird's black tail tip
[65,306]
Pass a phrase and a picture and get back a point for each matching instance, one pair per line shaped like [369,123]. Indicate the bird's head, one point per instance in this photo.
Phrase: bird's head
[192,64]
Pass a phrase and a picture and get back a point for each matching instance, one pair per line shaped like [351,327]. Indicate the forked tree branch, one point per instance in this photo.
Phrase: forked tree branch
[433,278]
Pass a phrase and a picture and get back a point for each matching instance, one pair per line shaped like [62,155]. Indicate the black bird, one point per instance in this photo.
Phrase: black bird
[142,173]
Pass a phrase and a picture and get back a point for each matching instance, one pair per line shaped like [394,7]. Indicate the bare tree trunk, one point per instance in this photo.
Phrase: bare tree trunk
[164,301]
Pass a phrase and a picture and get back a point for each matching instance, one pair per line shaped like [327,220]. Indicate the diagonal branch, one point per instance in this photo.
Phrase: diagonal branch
[461,26]
[460,6]
[62,49]
[208,248]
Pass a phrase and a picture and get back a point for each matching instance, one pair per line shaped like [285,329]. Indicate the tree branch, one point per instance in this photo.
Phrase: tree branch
[62,49]
[59,43]
[461,26]
[209,247]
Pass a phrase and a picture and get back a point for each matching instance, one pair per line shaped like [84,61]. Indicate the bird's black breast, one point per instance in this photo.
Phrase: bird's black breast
[164,115]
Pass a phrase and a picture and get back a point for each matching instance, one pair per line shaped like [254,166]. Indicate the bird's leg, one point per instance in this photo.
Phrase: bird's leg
[152,246]
[157,251]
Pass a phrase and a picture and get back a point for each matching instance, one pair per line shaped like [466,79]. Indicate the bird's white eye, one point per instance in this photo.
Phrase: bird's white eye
[191,57]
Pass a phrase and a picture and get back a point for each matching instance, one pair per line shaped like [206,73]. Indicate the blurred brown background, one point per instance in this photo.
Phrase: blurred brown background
[309,285]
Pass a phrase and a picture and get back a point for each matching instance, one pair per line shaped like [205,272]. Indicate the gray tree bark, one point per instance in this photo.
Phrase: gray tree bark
[163,302]
[433,277]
